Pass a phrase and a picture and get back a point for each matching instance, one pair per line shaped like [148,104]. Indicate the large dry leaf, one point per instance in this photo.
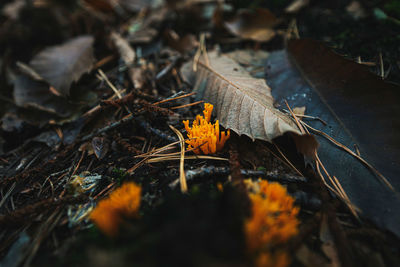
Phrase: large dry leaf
[62,65]
[242,103]
[360,109]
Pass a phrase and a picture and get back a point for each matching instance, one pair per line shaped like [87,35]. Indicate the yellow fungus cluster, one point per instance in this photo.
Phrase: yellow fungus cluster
[273,221]
[205,137]
[124,202]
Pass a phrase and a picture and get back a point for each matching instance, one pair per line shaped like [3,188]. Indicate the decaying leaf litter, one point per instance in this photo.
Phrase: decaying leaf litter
[92,123]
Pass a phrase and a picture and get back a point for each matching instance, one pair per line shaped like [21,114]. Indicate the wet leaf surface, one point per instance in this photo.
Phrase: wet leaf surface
[344,94]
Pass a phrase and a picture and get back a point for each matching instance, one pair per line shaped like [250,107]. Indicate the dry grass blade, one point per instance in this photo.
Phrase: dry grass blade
[295,118]
[155,151]
[201,51]
[137,165]
[188,105]
[165,155]
[383,178]
[110,84]
[288,161]
[169,158]
[182,176]
[3,200]
[338,189]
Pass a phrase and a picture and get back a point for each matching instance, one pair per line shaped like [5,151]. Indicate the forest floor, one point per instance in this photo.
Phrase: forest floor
[93,95]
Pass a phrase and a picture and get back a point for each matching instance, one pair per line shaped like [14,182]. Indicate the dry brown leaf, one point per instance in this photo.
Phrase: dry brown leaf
[137,76]
[29,93]
[242,103]
[181,44]
[299,111]
[257,26]
[64,64]
[127,53]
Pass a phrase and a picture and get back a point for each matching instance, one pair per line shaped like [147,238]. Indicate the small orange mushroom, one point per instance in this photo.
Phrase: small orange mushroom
[205,137]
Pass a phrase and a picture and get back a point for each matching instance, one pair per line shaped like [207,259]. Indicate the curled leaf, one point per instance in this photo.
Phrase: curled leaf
[64,64]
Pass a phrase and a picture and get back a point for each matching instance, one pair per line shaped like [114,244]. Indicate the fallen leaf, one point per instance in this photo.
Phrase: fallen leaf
[242,103]
[183,44]
[127,53]
[257,25]
[137,76]
[299,111]
[296,6]
[29,93]
[64,64]
[360,109]
[352,90]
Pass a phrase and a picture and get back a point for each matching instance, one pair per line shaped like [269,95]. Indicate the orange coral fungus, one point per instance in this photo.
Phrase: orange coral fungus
[123,202]
[272,223]
[204,136]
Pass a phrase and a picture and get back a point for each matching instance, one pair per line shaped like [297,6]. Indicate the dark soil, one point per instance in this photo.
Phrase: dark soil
[205,226]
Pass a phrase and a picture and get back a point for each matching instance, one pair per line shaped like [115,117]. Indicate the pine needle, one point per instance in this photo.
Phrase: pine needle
[182,176]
